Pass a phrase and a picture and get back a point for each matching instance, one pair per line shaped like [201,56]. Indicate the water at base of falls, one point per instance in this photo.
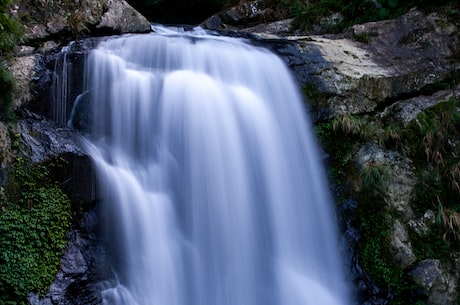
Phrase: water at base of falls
[213,187]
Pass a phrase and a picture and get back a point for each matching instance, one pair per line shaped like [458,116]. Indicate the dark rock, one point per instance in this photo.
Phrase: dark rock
[437,284]
[44,140]
[241,16]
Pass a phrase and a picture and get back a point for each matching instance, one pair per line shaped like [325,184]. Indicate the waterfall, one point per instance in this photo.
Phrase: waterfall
[211,180]
[60,85]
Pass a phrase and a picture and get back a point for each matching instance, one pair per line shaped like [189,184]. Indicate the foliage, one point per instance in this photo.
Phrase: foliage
[431,141]
[11,34]
[347,124]
[339,151]
[10,28]
[428,140]
[374,176]
[306,13]
[373,247]
[34,218]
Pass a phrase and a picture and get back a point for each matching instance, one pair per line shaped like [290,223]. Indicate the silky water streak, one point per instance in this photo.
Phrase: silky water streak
[213,187]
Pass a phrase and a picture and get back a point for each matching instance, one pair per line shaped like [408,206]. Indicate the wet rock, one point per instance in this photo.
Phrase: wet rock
[44,140]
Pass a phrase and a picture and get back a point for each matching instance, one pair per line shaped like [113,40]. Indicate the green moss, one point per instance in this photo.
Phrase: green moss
[35,216]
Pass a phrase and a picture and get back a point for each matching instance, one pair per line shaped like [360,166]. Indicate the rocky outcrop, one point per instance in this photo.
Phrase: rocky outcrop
[374,63]
[47,20]
[49,25]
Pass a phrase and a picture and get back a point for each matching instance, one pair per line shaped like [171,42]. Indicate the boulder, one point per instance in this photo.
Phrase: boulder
[22,68]
[243,15]
[437,284]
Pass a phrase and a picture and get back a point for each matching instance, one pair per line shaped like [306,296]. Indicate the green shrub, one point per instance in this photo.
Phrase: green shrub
[34,218]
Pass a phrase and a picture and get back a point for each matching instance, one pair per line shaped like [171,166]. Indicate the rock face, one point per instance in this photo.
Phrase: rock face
[373,63]
[45,20]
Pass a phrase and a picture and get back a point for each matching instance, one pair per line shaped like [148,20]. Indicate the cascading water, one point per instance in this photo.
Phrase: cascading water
[213,186]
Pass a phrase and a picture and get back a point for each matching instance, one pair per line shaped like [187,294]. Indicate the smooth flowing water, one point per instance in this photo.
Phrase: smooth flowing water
[213,186]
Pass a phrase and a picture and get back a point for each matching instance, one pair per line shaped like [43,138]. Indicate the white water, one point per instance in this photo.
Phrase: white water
[213,186]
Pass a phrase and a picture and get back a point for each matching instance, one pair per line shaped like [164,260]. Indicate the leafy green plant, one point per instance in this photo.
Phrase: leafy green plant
[34,218]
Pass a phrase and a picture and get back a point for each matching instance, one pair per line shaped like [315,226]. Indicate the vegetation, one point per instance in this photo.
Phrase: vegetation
[431,142]
[11,34]
[308,13]
[34,218]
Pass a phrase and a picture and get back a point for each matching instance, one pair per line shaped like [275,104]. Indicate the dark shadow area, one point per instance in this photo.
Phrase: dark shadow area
[177,11]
